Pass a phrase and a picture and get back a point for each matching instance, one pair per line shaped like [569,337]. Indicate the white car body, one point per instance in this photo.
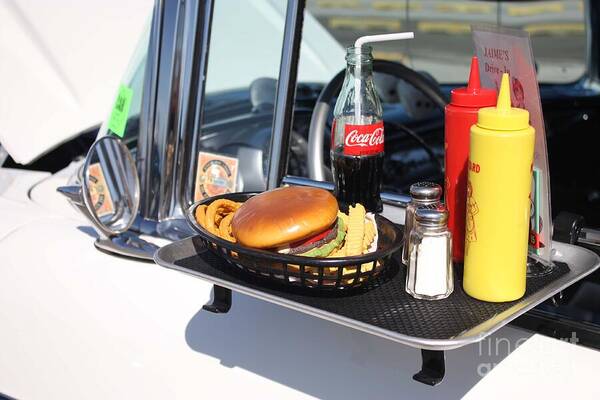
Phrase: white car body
[77,323]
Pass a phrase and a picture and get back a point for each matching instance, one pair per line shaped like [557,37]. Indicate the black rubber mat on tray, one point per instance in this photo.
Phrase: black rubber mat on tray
[383,303]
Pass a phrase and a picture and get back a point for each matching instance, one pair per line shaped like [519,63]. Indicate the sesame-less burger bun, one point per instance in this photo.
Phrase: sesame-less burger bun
[282,216]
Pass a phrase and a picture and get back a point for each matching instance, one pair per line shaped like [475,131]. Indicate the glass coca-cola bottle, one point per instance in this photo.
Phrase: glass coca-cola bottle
[357,135]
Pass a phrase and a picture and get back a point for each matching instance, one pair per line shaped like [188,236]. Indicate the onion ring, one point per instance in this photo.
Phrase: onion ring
[220,207]
[200,214]
[225,228]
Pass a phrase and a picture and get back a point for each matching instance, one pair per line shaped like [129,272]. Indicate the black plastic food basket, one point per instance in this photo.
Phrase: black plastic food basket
[299,271]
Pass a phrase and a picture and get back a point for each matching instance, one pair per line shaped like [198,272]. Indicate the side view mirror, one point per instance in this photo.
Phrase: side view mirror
[111,189]
[109,196]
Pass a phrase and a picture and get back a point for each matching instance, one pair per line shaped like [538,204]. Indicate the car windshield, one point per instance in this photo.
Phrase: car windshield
[132,82]
[443,44]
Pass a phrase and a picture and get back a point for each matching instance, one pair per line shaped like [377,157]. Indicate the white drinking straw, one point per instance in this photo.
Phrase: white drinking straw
[372,39]
[383,38]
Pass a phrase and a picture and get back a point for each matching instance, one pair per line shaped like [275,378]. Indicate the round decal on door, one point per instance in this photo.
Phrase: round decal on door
[216,174]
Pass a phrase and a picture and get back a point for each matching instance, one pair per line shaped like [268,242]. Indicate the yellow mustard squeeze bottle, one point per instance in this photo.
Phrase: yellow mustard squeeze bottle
[498,188]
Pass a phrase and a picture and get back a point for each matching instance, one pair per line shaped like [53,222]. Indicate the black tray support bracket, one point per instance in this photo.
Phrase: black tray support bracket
[433,367]
[221,301]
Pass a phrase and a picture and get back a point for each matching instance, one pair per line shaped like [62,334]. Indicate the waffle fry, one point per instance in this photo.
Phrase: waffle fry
[356,230]
[370,232]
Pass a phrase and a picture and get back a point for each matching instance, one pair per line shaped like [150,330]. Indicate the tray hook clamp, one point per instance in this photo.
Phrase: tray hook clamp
[433,367]
[221,300]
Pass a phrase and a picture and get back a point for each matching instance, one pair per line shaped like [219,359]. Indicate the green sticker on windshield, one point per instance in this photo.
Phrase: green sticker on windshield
[120,111]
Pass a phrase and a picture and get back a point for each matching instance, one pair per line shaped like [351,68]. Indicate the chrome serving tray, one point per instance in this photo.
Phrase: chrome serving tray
[383,308]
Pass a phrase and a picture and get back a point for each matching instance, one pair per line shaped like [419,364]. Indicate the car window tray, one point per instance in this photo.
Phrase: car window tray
[384,308]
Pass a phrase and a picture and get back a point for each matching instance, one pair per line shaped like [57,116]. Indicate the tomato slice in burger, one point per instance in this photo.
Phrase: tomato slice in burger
[312,239]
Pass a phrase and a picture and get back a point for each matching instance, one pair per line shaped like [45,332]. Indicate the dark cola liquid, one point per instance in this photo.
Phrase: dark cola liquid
[358,180]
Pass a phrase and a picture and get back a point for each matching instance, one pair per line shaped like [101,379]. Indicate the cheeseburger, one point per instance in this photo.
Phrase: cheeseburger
[293,220]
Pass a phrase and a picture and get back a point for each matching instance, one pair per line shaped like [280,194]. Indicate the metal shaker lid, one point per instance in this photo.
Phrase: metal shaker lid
[425,191]
[432,215]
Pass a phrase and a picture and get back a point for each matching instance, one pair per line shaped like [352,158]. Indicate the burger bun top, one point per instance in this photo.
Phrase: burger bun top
[285,215]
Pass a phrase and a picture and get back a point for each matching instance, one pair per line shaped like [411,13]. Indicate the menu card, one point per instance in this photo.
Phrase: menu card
[509,50]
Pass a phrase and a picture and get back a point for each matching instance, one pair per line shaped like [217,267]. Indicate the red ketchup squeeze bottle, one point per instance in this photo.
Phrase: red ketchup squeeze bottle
[460,114]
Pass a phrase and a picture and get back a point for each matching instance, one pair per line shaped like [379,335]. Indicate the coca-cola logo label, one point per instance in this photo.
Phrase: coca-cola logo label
[363,139]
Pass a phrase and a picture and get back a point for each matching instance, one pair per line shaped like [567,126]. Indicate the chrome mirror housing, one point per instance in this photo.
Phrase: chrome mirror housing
[109,196]
[110,187]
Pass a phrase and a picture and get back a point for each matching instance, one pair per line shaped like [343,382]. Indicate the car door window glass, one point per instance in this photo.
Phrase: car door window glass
[243,67]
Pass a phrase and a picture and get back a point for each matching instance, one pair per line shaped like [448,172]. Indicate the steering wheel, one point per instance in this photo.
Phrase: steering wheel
[316,133]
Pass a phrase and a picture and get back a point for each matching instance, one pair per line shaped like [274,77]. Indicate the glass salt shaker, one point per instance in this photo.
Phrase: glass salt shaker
[429,275]
[422,194]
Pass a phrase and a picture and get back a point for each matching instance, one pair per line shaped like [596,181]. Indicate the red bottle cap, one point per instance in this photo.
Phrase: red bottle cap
[473,95]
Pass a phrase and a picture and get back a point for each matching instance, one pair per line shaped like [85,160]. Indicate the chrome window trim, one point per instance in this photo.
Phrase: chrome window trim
[193,25]
[196,117]
[163,136]
[190,63]
[167,121]
[163,106]
[147,113]
[169,145]
[283,115]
